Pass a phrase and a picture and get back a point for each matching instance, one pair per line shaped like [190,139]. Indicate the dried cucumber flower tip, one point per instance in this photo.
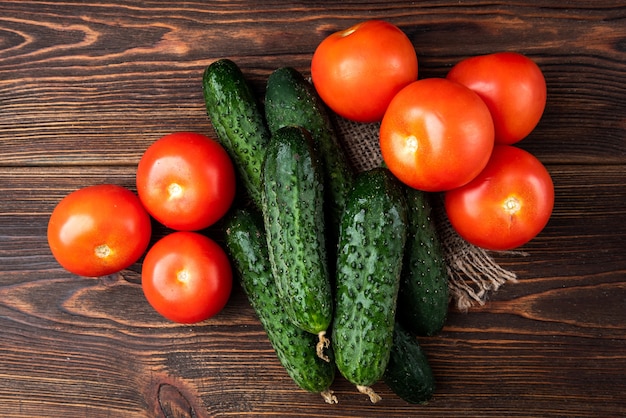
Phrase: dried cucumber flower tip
[374,397]
[329,397]
[322,345]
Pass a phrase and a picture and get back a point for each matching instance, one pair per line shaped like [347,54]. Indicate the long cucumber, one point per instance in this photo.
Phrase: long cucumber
[290,99]
[238,120]
[295,348]
[293,213]
[424,297]
[369,262]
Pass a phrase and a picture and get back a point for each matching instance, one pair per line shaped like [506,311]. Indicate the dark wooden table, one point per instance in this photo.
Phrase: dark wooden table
[85,87]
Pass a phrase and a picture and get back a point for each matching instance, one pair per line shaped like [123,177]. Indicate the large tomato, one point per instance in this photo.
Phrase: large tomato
[507,204]
[357,71]
[186,181]
[99,230]
[186,277]
[436,135]
[513,87]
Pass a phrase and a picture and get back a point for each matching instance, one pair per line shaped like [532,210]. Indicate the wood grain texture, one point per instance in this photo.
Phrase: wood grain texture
[86,87]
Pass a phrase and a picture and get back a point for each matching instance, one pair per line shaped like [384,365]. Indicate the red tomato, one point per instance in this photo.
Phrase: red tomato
[513,87]
[186,277]
[507,205]
[436,135]
[186,181]
[99,230]
[357,71]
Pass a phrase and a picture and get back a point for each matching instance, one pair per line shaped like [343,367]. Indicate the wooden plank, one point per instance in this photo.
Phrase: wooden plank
[98,83]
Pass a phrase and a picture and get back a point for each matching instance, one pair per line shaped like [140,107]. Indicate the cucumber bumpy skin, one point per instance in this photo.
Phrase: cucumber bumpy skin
[371,245]
[294,347]
[293,213]
[238,120]
[424,296]
[290,99]
[408,372]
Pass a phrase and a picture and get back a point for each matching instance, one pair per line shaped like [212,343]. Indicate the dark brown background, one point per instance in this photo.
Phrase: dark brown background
[86,87]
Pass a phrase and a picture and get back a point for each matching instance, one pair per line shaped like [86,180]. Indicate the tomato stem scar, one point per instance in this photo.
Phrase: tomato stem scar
[175,190]
[511,205]
[102,251]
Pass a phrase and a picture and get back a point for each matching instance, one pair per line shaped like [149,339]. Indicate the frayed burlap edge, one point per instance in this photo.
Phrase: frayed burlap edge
[472,272]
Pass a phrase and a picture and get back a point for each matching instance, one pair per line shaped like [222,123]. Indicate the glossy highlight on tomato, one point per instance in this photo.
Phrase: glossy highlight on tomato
[357,71]
[98,230]
[507,204]
[186,181]
[436,135]
[186,277]
[512,86]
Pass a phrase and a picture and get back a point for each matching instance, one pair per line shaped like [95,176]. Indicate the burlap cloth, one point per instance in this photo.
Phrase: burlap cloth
[473,273]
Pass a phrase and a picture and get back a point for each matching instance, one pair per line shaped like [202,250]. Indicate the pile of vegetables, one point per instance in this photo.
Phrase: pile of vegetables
[344,269]
[323,252]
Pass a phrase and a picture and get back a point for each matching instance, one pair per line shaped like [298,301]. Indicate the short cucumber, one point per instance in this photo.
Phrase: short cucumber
[239,121]
[247,245]
[423,299]
[290,99]
[369,261]
[293,212]
[408,372]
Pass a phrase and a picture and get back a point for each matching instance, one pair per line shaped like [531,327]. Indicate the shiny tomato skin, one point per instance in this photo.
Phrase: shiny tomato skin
[99,230]
[186,277]
[507,204]
[357,71]
[186,181]
[436,135]
[512,86]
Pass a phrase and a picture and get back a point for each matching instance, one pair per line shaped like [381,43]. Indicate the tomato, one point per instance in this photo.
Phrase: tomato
[436,135]
[186,277]
[513,87]
[99,230]
[186,181]
[507,204]
[357,71]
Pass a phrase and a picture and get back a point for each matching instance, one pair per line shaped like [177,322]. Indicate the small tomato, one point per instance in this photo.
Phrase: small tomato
[186,277]
[99,230]
[436,135]
[357,71]
[512,86]
[186,181]
[507,204]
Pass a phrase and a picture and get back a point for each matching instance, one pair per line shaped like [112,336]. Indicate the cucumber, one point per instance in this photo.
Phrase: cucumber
[408,372]
[290,99]
[239,122]
[369,262]
[295,348]
[293,213]
[424,297]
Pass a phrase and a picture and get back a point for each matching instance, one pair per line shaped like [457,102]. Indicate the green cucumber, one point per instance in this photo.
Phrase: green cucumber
[408,372]
[295,348]
[424,297]
[369,262]
[293,213]
[238,120]
[290,99]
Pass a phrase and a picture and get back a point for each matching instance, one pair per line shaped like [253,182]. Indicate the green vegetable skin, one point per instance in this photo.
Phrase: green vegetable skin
[295,348]
[238,120]
[290,99]
[292,201]
[408,372]
[424,297]
[369,262]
